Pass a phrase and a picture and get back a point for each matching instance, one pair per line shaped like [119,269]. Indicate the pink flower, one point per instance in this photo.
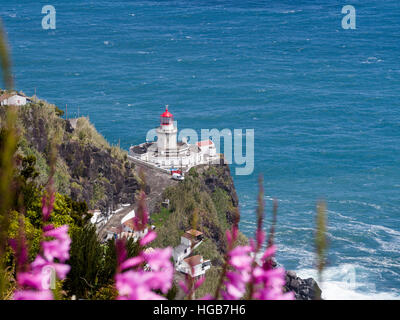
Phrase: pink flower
[41,263]
[184,287]
[149,237]
[35,282]
[207,297]
[140,284]
[260,237]
[199,282]
[59,247]
[33,295]
[231,236]
[269,281]
[20,251]
[158,259]
[237,279]
[240,259]
[132,262]
[141,219]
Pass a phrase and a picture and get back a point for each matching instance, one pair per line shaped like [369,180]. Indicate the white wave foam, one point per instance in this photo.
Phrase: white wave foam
[371,60]
[372,205]
[341,283]
[291,11]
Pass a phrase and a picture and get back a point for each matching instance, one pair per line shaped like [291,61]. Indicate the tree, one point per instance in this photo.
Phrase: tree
[85,260]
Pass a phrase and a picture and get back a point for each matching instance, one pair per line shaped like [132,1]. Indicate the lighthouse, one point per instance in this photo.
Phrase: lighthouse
[166,134]
[167,153]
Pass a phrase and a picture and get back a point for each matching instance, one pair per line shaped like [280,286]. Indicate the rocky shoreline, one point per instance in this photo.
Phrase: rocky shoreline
[303,289]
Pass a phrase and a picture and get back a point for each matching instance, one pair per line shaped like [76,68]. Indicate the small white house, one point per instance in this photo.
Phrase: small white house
[207,148]
[192,237]
[127,228]
[195,266]
[181,252]
[190,240]
[13,100]
[128,217]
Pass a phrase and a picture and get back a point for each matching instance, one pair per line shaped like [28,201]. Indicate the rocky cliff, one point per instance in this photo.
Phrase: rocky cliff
[87,167]
[303,289]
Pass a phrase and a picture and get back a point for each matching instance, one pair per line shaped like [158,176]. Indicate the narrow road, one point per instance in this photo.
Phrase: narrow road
[157,181]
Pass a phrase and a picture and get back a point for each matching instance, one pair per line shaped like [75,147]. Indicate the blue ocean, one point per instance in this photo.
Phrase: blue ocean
[323,102]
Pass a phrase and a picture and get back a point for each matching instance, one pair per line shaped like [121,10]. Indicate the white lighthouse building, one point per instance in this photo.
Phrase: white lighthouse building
[168,153]
[167,135]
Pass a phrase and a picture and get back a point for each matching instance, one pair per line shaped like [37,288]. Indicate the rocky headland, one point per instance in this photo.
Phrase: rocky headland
[90,170]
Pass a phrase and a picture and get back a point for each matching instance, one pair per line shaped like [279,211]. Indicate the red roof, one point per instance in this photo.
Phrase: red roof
[194,233]
[204,143]
[166,113]
[194,260]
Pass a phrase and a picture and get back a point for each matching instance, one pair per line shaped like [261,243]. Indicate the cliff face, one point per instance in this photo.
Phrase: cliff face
[87,167]
[98,177]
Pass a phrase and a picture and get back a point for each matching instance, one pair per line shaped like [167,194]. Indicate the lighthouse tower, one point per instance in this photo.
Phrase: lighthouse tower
[166,134]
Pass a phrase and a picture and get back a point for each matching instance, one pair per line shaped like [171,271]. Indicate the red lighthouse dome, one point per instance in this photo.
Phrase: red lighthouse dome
[166,118]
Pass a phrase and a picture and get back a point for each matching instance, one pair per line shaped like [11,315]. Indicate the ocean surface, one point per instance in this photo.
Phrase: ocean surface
[323,101]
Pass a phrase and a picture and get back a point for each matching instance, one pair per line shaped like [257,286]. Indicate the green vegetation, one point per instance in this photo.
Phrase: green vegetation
[26,198]
[99,193]
[93,265]
[211,282]
[223,204]
[85,133]
[160,219]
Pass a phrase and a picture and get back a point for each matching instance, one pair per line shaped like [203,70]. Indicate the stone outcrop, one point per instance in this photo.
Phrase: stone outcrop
[303,289]
[91,167]
[88,167]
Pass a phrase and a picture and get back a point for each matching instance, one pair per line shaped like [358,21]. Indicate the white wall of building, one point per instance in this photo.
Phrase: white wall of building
[166,138]
[198,270]
[186,241]
[15,100]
